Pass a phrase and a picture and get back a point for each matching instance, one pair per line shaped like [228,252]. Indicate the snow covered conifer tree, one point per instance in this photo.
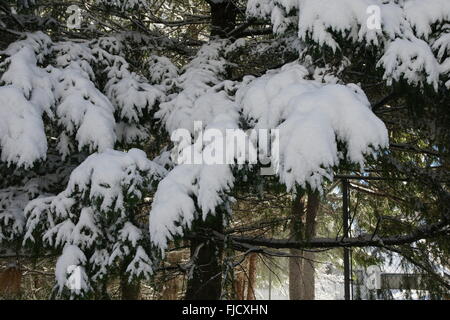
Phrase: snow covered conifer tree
[95,222]
[56,89]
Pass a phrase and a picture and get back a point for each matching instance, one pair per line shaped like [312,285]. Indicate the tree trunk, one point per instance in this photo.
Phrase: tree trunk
[252,276]
[129,290]
[223,17]
[301,269]
[308,262]
[205,281]
[295,264]
[172,284]
[10,282]
[239,285]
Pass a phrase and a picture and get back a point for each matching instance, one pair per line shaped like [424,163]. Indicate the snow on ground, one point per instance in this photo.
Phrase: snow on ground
[329,286]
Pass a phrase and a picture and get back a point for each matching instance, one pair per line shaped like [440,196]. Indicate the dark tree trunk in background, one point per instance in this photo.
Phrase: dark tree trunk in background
[223,17]
[301,269]
[130,291]
[205,281]
[310,232]
[295,264]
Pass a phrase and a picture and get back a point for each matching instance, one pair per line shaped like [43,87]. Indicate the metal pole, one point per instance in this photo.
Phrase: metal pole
[270,284]
[345,219]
